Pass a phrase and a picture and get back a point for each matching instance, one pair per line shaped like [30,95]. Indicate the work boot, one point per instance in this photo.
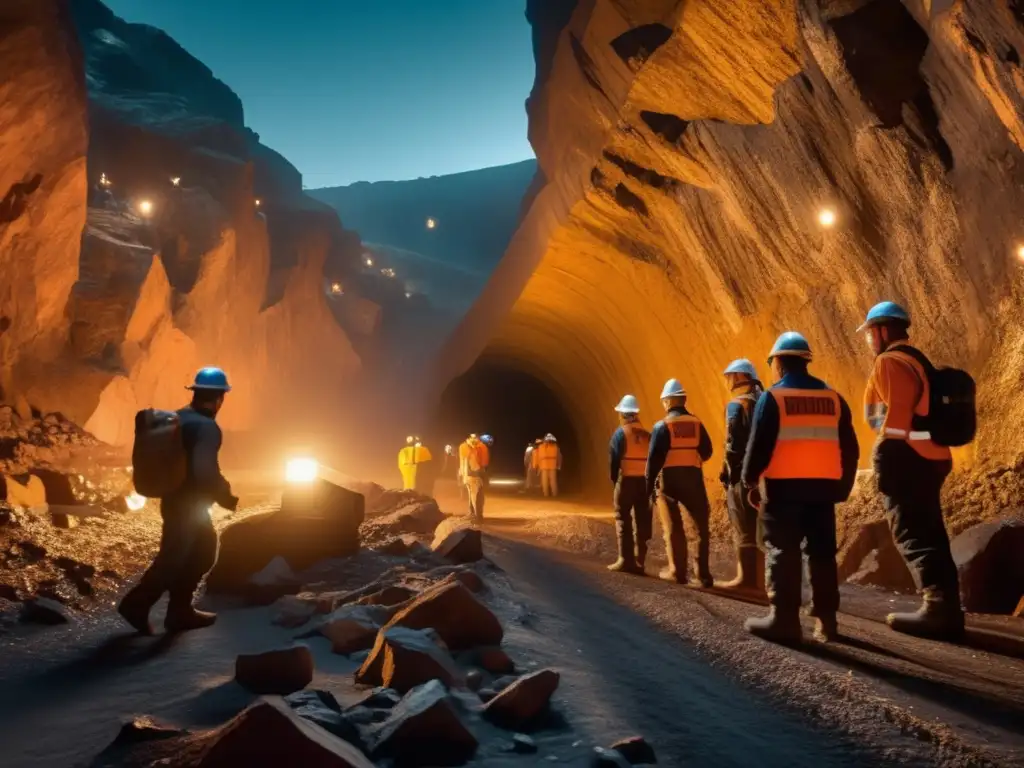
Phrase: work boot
[745,570]
[624,539]
[776,627]
[826,629]
[135,608]
[675,549]
[937,618]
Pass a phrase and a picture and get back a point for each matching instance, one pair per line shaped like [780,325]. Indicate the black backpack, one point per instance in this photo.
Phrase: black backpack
[952,416]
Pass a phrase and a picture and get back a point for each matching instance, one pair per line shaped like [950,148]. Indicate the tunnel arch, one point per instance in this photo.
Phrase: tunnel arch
[514,403]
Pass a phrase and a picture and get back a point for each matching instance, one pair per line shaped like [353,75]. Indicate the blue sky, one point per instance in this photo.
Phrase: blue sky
[366,90]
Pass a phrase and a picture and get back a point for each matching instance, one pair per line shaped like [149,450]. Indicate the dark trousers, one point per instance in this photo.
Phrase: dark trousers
[686,492]
[188,550]
[745,524]
[633,515]
[785,527]
[911,486]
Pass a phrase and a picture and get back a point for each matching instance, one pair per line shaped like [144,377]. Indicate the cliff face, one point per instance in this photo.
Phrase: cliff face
[187,242]
[689,148]
[475,214]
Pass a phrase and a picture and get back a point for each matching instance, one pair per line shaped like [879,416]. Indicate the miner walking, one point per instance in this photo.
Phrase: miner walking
[801,461]
[628,451]
[741,378]
[910,468]
[679,447]
[188,542]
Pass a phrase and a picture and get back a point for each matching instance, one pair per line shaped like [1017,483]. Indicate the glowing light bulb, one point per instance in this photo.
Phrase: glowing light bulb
[176,180]
[827,217]
[369,261]
[336,289]
[146,207]
[431,223]
[303,470]
[408,294]
[1020,252]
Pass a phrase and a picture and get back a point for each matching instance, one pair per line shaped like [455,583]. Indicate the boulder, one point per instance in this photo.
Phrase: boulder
[524,700]
[292,611]
[322,708]
[421,516]
[424,729]
[272,582]
[403,658]
[636,750]
[269,735]
[991,565]
[353,628]
[330,528]
[460,619]
[275,672]
[870,558]
[608,758]
[382,501]
[381,698]
[458,542]
[43,610]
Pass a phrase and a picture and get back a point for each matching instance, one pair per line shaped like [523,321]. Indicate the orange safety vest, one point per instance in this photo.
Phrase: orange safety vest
[896,422]
[547,455]
[807,447]
[684,433]
[638,445]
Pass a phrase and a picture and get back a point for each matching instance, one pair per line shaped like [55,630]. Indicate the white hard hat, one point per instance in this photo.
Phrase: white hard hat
[741,366]
[672,388]
[628,404]
[550,438]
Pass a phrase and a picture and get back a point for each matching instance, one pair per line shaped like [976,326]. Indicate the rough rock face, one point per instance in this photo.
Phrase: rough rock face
[43,142]
[112,307]
[688,149]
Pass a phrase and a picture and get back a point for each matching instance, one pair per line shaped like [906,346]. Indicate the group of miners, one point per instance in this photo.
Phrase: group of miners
[542,462]
[791,455]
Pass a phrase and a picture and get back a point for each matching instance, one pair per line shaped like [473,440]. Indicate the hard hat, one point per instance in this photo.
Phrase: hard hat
[672,388]
[628,404]
[410,439]
[792,344]
[550,438]
[741,366]
[213,379]
[472,436]
[487,439]
[885,312]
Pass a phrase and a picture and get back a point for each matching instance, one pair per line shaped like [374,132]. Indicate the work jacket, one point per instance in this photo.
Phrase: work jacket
[679,446]
[628,451]
[802,446]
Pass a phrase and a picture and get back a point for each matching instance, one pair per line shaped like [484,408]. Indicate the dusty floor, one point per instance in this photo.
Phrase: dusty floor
[637,656]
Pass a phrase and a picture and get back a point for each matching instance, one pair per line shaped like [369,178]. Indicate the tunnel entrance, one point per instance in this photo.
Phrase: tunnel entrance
[515,408]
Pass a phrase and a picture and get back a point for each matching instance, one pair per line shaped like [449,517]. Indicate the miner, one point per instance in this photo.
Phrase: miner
[628,451]
[548,457]
[741,378]
[910,468]
[801,460]
[188,541]
[679,447]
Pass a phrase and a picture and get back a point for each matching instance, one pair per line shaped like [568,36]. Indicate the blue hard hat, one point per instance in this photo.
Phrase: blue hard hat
[792,344]
[487,439]
[211,379]
[884,312]
[742,366]
[672,388]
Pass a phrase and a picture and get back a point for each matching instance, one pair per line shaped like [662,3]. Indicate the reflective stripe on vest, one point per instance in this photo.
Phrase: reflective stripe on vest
[638,444]
[807,447]
[684,433]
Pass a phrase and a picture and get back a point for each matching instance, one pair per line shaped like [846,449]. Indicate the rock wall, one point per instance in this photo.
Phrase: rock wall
[689,148]
[114,303]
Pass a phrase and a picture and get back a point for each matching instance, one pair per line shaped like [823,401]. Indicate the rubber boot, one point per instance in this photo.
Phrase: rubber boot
[675,545]
[776,627]
[937,618]
[745,570]
[826,629]
[182,616]
[135,607]
[624,538]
